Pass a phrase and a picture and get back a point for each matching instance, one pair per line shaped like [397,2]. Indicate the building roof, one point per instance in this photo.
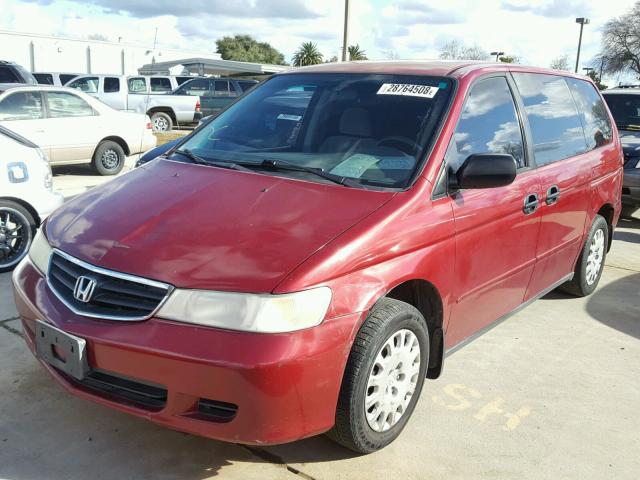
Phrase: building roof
[214,67]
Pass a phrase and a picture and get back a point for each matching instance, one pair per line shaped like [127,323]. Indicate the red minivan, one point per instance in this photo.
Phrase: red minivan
[303,261]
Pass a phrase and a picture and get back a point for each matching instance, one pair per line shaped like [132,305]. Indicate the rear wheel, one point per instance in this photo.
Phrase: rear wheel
[591,262]
[17,226]
[383,378]
[109,158]
[161,122]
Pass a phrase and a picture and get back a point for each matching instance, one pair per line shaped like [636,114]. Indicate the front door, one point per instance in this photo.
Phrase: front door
[496,234]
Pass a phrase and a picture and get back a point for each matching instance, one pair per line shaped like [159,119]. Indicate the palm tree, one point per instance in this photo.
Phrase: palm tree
[307,54]
[356,54]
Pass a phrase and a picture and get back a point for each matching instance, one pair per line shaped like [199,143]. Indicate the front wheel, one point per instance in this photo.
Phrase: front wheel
[383,378]
[16,233]
[591,261]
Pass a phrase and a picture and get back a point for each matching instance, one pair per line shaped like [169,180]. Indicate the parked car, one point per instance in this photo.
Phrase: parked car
[54,78]
[12,73]
[304,260]
[215,93]
[624,104]
[26,196]
[72,127]
[138,94]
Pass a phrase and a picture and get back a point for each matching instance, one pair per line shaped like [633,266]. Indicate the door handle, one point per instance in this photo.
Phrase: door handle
[530,203]
[553,194]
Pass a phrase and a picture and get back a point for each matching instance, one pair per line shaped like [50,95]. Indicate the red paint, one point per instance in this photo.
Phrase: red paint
[199,227]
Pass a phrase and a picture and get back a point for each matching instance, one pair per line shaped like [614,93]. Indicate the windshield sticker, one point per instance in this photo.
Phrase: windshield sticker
[405,89]
[354,166]
[286,116]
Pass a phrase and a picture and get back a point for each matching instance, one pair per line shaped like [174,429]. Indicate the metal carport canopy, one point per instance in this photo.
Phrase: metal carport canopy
[204,66]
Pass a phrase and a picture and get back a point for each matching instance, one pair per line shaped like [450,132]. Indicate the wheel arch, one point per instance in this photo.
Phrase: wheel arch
[607,211]
[168,110]
[113,138]
[27,206]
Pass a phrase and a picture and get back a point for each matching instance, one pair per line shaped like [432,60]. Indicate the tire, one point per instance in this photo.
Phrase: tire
[585,280]
[161,122]
[108,158]
[628,211]
[387,322]
[17,227]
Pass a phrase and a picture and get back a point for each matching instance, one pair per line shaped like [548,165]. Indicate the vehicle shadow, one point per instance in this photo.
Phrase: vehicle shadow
[84,170]
[629,222]
[617,305]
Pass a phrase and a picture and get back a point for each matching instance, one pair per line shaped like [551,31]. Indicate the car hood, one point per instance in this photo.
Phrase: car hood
[205,227]
[630,143]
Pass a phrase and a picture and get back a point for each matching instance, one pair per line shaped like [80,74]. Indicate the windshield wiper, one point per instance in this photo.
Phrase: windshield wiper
[284,165]
[214,163]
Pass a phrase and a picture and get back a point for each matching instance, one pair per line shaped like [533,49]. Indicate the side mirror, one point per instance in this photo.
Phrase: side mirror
[486,170]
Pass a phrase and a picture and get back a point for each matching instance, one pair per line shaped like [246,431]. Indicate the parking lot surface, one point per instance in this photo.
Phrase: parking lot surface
[551,393]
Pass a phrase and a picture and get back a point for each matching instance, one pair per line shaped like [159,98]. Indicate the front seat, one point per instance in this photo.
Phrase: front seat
[355,133]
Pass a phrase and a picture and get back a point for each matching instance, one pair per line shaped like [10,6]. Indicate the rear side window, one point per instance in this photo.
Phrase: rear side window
[222,89]
[44,78]
[555,123]
[160,85]
[66,78]
[595,119]
[86,84]
[137,85]
[195,87]
[111,84]
[22,106]
[64,104]
[488,124]
[7,75]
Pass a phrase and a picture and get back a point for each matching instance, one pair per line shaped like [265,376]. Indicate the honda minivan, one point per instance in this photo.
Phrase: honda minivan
[302,262]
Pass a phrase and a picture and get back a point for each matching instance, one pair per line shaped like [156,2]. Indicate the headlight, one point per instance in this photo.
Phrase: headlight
[40,252]
[248,312]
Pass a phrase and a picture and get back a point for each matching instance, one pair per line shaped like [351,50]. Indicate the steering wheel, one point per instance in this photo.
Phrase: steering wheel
[403,141]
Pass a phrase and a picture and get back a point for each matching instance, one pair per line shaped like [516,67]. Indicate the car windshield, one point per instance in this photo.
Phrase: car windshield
[371,129]
[625,110]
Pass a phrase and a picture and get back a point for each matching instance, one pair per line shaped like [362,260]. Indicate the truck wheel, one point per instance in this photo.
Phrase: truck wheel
[109,158]
[161,122]
[383,377]
[17,226]
[591,261]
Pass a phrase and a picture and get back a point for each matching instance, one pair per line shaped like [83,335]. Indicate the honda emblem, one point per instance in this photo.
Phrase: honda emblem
[84,288]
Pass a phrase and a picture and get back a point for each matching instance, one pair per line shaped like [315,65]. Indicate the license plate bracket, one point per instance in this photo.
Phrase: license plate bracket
[62,350]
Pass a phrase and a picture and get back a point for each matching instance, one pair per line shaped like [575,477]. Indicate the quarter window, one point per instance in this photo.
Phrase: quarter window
[22,106]
[86,84]
[160,84]
[593,113]
[137,85]
[111,84]
[555,124]
[66,78]
[488,124]
[63,104]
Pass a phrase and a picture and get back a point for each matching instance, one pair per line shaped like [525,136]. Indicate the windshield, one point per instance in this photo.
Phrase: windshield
[372,128]
[625,110]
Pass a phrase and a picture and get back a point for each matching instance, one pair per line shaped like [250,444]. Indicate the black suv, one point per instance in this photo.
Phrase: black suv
[215,93]
[11,73]
[624,103]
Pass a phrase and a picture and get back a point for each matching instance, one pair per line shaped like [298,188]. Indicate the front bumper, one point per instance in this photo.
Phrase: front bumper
[285,386]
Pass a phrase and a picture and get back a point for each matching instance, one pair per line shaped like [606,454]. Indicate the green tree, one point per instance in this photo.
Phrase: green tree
[245,48]
[307,54]
[597,80]
[621,43]
[355,53]
[509,59]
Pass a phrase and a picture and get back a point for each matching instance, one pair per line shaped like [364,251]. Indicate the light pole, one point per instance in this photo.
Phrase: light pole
[497,54]
[582,21]
[345,39]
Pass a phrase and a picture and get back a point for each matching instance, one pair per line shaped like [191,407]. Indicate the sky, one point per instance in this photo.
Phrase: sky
[536,31]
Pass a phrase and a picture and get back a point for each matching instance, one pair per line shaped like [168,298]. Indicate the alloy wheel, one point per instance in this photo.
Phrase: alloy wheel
[15,237]
[595,258]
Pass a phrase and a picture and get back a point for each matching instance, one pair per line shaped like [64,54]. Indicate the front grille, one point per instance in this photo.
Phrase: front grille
[126,390]
[116,296]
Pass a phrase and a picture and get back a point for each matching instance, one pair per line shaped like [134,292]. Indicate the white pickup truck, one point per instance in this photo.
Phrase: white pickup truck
[141,94]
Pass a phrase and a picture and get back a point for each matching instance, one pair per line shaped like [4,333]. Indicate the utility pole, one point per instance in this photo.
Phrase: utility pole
[345,38]
[582,21]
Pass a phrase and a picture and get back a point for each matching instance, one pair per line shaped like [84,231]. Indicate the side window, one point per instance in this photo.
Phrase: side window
[245,85]
[488,124]
[221,88]
[555,124]
[160,84]
[137,85]
[593,113]
[111,84]
[85,84]
[63,104]
[198,87]
[66,78]
[22,106]
[44,78]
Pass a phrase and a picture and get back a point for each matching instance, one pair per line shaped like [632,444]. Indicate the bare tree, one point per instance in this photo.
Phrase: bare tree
[391,55]
[560,63]
[621,43]
[456,50]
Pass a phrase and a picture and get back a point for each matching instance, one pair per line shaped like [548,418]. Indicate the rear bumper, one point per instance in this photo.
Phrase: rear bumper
[285,386]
